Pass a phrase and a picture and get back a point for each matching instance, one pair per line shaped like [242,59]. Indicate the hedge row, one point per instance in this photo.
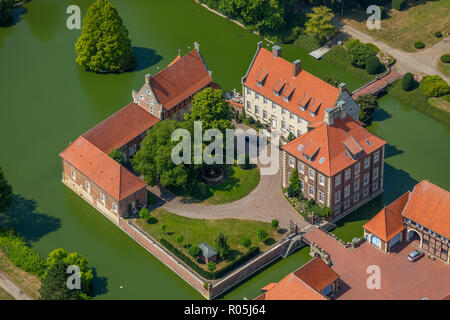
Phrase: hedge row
[21,255]
[210,275]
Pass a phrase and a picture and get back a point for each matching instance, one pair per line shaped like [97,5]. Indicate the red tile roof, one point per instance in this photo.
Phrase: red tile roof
[120,128]
[183,77]
[429,205]
[317,274]
[106,173]
[292,288]
[304,284]
[388,222]
[304,85]
[331,141]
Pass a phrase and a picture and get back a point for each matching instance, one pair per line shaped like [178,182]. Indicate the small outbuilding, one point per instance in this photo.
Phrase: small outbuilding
[208,253]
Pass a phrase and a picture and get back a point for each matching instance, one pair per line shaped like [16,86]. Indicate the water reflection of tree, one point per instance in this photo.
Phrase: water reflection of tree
[24,218]
[45,18]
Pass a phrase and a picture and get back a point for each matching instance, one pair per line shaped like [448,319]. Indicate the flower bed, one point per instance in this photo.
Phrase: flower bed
[385,58]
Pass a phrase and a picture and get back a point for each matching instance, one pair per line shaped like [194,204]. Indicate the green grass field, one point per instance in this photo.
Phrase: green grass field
[197,231]
[401,29]
[444,68]
[239,183]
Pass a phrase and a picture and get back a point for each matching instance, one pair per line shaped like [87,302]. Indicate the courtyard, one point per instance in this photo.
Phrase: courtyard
[401,279]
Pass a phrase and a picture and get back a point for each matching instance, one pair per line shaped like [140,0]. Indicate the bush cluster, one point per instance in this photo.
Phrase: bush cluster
[399,4]
[408,82]
[373,65]
[419,45]
[438,34]
[210,275]
[434,86]
[445,58]
[21,255]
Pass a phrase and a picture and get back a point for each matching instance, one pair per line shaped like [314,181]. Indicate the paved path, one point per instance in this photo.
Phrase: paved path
[12,288]
[421,61]
[400,278]
[265,203]
[378,84]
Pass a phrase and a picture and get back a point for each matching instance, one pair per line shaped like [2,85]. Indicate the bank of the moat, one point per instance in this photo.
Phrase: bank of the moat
[47,102]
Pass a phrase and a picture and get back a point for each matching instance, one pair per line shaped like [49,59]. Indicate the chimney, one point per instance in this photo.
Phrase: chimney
[328,117]
[197,46]
[341,87]
[276,51]
[147,78]
[297,67]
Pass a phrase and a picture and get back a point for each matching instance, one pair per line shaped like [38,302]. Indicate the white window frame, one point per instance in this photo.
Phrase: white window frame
[102,198]
[256,110]
[376,156]
[356,197]
[74,175]
[291,162]
[337,180]
[366,162]
[321,180]
[88,186]
[321,197]
[264,114]
[375,173]
[311,187]
[337,197]
[347,174]
[357,169]
[375,186]
[356,185]
[301,167]
[346,191]
[366,179]
[114,207]
[311,174]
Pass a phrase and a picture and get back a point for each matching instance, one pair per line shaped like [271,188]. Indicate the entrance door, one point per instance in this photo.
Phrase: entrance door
[395,240]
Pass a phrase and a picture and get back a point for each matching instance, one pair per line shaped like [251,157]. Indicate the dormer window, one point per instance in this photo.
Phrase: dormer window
[278,87]
[261,79]
[288,93]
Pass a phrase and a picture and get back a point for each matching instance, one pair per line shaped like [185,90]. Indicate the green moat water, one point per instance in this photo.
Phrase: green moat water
[46,102]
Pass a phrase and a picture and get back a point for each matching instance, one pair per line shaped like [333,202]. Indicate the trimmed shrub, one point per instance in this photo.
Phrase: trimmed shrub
[438,34]
[408,82]
[144,214]
[211,266]
[246,242]
[445,58]
[419,45]
[399,4]
[434,86]
[373,65]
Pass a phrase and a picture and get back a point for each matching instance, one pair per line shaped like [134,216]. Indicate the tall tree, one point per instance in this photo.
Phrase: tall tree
[6,12]
[5,192]
[154,159]
[54,284]
[222,246]
[320,23]
[103,45]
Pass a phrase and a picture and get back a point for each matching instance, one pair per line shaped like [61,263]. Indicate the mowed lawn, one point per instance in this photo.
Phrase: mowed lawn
[401,29]
[197,231]
[239,184]
[5,295]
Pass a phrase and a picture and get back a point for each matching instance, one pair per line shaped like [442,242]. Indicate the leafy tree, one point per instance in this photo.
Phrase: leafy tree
[54,285]
[5,192]
[246,242]
[163,229]
[294,188]
[144,214]
[103,45]
[408,82]
[367,104]
[154,159]
[275,223]
[359,52]
[222,246]
[6,12]
[211,266]
[73,258]
[261,234]
[195,251]
[434,86]
[320,23]
[399,4]
[210,107]
[117,155]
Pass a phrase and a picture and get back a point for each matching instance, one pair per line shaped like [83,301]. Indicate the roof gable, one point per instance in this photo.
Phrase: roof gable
[182,78]
[388,222]
[120,128]
[429,205]
[106,173]
[292,288]
[325,147]
[317,274]
[281,87]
